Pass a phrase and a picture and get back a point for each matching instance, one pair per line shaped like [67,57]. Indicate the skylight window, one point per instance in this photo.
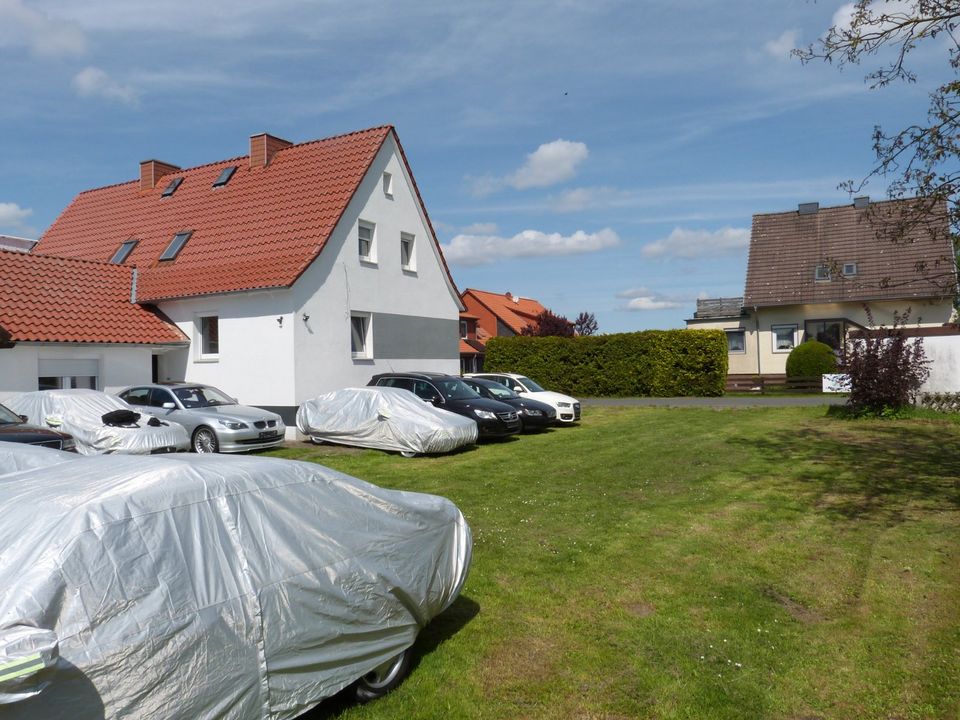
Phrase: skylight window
[172,187]
[225,176]
[176,245]
[123,252]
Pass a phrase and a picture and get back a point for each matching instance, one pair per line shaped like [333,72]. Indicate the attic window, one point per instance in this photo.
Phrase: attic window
[822,272]
[123,252]
[388,184]
[849,269]
[172,187]
[225,176]
[176,245]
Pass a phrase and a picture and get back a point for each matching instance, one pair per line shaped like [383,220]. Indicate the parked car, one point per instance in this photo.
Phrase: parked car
[568,408]
[384,418]
[216,587]
[448,392]
[81,414]
[14,428]
[215,421]
[534,415]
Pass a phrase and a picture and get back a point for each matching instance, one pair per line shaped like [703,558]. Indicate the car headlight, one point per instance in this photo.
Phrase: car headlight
[484,414]
[533,413]
[563,404]
[233,424]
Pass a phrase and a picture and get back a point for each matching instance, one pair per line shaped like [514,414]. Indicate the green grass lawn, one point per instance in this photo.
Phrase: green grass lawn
[694,563]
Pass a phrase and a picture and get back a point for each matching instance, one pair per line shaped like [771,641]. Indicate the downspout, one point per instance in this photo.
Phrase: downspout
[756,317]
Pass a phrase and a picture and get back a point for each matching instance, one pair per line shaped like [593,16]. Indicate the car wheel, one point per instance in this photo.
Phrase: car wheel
[316,440]
[408,453]
[381,680]
[205,441]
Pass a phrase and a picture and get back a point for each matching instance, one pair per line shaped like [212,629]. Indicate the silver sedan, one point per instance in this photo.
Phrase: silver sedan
[214,420]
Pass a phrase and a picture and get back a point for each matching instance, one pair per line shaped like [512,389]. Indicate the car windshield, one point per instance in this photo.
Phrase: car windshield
[8,417]
[199,396]
[501,391]
[531,385]
[456,389]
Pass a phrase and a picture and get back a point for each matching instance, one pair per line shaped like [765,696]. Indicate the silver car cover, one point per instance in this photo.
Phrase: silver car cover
[384,418]
[79,413]
[217,587]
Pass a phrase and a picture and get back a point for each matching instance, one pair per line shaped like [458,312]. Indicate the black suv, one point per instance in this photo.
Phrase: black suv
[493,418]
[14,428]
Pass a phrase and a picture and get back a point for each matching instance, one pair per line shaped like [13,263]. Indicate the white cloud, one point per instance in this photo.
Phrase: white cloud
[486,249]
[685,243]
[481,229]
[94,82]
[549,164]
[783,45]
[588,198]
[24,26]
[643,299]
[843,17]
[12,215]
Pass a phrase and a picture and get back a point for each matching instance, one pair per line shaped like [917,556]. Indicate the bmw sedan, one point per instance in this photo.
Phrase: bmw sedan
[214,420]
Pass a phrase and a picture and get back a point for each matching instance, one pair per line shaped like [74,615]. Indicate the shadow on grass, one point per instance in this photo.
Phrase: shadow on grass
[870,470]
[441,628]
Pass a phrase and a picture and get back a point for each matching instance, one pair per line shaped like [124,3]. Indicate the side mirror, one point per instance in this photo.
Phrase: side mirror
[169,406]
[23,418]
[435,400]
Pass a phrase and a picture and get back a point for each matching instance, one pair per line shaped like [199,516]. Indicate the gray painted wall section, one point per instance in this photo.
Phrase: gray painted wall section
[407,337]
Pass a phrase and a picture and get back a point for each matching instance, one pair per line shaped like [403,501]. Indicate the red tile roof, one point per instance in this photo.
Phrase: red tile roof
[515,312]
[260,230]
[49,299]
[787,247]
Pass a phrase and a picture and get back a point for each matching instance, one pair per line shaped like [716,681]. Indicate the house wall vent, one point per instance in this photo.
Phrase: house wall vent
[263,147]
[153,170]
[861,202]
[808,208]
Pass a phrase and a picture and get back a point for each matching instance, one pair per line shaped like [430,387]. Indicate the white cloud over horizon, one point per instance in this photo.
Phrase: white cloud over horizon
[644,299]
[473,250]
[781,47]
[92,82]
[21,26]
[551,163]
[689,244]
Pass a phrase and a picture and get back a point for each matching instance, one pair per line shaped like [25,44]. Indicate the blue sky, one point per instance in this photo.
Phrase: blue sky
[599,155]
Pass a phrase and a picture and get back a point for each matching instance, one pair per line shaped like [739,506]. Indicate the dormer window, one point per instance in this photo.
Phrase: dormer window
[176,245]
[123,252]
[849,269]
[172,187]
[225,176]
[822,273]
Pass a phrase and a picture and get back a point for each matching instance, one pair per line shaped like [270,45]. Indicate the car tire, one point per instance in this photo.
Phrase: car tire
[316,440]
[381,680]
[408,453]
[205,441]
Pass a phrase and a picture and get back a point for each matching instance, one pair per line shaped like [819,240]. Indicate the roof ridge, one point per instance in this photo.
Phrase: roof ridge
[840,207]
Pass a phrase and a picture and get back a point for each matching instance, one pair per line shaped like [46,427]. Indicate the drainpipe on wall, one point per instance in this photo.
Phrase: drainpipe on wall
[756,317]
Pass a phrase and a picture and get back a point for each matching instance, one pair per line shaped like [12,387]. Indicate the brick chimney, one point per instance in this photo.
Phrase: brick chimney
[263,147]
[153,170]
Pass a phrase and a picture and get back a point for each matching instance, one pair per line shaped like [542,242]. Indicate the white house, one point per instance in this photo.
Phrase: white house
[291,271]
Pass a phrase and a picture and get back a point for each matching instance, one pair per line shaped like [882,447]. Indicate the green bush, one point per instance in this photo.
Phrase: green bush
[654,363]
[811,359]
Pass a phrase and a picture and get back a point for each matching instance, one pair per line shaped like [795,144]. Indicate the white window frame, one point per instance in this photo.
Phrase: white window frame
[736,331]
[822,273]
[371,256]
[464,329]
[773,337]
[411,264]
[849,269]
[388,185]
[366,352]
[70,372]
[199,354]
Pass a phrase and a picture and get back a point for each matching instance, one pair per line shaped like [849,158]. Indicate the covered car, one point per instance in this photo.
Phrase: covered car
[81,413]
[207,586]
[384,418]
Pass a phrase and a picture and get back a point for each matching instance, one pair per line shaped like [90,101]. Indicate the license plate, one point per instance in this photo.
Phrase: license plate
[268,434]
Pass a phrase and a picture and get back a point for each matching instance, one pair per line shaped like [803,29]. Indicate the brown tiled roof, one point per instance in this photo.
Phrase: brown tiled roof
[787,247]
[515,312]
[49,299]
[718,308]
[471,347]
[260,230]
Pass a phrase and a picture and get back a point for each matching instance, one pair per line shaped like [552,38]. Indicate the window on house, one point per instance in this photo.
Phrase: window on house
[176,245]
[831,332]
[388,184]
[784,337]
[68,374]
[366,235]
[123,252]
[406,251]
[463,328]
[172,187]
[736,341]
[360,345]
[208,337]
[822,272]
[225,176]
[849,269]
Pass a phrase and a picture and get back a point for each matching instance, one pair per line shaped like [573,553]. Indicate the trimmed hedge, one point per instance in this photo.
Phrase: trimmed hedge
[652,363]
[811,359]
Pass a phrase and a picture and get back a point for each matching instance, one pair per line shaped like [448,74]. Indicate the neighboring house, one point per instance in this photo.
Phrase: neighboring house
[11,242]
[293,271]
[810,273]
[68,323]
[491,315]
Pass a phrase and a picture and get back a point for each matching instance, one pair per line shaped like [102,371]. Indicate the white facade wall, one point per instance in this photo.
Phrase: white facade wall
[119,365]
